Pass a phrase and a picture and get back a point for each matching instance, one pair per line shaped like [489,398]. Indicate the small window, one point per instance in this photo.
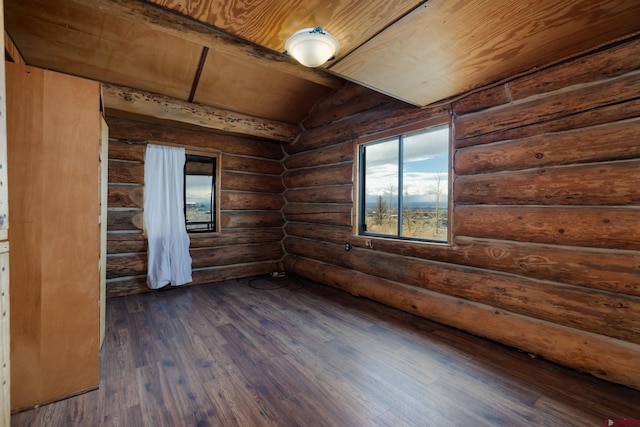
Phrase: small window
[200,193]
[404,186]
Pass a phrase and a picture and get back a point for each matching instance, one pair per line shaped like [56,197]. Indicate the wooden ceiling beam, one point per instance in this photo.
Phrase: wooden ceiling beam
[196,78]
[162,107]
[161,19]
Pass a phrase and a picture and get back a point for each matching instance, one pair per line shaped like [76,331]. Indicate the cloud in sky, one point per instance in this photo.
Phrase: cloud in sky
[425,159]
[198,188]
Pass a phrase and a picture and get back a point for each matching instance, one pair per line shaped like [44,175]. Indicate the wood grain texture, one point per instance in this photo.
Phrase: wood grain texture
[172,24]
[238,200]
[125,196]
[333,154]
[339,97]
[588,310]
[462,46]
[120,242]
[54,199]
[321,232]
[625,109]
[600,356]
[251,199]
[137,131]
[272,22]
[115,42]
[251,219]
[231,81]
[238,254]
[148,104]
[123,265]
[127,286]
[251,165]
[319,176]
[237,236]
[558,104]
[125,220]
[544,211]
[233,355]
[549,149]
[323,213]
[357,104]
[80,40]
[120,150]
[607,63]
[326,194]
[382,119]
[477,101]
[119,287]
[124,172]
[597,227]
[615,271]
[595,184]
[258,183]
[237,271]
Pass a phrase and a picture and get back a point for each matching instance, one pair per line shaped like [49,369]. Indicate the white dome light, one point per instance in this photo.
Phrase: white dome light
[312,47]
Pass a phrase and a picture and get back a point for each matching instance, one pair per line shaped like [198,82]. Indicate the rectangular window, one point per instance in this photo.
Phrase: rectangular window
[200,191]
[404,186]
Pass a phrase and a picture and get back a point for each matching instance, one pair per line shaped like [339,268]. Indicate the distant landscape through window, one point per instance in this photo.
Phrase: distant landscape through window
[200,193]
[404,186]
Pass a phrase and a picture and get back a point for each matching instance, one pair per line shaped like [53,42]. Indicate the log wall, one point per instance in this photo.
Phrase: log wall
[545,250]
[251,199]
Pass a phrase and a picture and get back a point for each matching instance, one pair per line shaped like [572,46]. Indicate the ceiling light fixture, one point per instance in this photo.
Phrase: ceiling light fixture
[312,47]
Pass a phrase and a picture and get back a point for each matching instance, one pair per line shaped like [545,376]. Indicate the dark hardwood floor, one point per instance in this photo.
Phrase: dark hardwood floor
[241,353]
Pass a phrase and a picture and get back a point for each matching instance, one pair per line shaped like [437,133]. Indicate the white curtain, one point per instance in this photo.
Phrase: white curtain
[168,253]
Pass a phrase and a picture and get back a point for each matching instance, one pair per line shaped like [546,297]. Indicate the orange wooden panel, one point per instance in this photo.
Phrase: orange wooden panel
[271,22]
[74,39]
[447,47]
[231,83]
[53,147]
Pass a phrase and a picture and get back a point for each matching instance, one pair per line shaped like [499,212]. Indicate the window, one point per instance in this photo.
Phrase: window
[404,186]
[200,193]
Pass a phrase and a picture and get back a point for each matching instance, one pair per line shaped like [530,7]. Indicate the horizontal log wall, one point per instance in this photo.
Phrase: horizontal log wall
[251,200]
[545,250]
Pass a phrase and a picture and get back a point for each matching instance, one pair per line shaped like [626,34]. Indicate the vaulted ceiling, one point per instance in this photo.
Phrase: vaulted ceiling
[227,53]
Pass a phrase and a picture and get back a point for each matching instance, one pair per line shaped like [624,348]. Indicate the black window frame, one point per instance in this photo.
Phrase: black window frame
[211,225]
[361,187]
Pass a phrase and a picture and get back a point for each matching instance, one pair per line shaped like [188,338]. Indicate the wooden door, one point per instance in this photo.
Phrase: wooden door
[53,146]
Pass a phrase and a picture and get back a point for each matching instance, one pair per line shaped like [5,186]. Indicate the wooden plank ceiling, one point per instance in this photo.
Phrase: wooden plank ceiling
[227,53]
[448,47]
[132,44]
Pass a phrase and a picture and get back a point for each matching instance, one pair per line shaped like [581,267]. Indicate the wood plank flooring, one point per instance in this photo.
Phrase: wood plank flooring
[241,353]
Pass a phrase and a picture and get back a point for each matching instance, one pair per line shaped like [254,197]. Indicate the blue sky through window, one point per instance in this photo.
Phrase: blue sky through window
[426,157]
